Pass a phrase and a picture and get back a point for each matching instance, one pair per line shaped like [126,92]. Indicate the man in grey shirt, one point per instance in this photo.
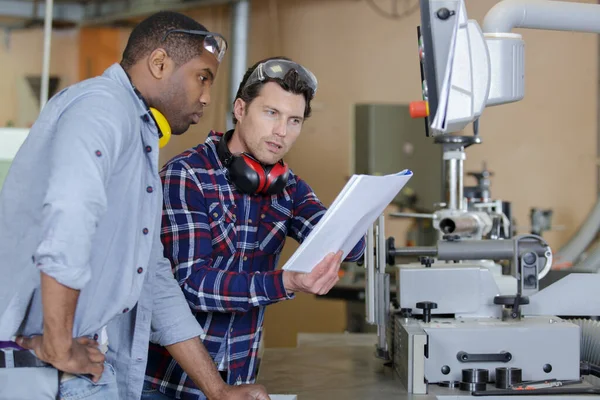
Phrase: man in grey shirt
[84,283]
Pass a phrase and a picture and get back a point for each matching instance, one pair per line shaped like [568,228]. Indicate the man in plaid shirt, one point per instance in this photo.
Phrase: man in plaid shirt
[229,205]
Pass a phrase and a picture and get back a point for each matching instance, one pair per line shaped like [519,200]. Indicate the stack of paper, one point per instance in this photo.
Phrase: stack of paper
[358,205]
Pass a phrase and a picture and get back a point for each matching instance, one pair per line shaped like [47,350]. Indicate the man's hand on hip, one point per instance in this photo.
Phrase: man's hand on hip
[245,392]
[56,346]
[319,281]
[83,357]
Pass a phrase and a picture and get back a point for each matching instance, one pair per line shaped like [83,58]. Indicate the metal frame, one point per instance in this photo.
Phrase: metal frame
[46,57]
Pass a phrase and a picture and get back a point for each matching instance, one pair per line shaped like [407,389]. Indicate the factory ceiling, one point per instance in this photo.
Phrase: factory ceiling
[23,14]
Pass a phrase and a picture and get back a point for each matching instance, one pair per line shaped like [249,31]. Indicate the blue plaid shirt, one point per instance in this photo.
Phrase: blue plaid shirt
[224,247]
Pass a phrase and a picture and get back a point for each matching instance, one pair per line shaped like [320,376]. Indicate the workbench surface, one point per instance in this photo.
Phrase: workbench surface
[344,367]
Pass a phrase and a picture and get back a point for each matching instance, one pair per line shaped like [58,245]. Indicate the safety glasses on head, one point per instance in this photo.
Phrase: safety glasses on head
[213,42]
[278,69]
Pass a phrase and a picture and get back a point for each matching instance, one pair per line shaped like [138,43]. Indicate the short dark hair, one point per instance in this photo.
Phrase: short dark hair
[148,35]
[291,82]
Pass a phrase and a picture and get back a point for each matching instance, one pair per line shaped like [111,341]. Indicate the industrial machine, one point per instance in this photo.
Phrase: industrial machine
[470,317]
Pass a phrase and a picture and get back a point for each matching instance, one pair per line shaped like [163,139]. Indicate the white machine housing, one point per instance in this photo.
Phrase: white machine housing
[472,68]
[485,67]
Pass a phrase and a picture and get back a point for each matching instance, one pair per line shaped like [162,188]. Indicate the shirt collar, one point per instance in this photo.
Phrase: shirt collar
[117,73]
[212,141]
[214,137]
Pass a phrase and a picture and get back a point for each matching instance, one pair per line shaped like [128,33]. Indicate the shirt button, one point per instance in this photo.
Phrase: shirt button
[145,231]
[96,336]
[146,118]
[148,149]
[262,216]
[245,258]
[140,270]
[231,330]
[215,215]
[149,189]
[249,221]
[233,217]
[125,310]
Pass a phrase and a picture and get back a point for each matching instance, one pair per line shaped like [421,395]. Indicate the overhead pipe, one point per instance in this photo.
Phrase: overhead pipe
[240,29]
[542,14]
[46,56]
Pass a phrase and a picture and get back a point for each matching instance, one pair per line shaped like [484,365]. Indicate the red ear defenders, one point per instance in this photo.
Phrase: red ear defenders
[248,174]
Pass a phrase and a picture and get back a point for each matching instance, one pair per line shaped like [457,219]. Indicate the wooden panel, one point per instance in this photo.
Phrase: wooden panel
[305,313]
[99,48]
[21,55]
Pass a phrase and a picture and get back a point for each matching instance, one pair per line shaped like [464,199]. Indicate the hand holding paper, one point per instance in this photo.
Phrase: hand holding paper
[358,205]
[319,281]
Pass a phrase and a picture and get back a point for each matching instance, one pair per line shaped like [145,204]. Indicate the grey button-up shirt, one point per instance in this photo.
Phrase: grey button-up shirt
[82,203]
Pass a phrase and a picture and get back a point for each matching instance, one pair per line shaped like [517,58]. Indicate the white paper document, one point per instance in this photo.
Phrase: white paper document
[347,220]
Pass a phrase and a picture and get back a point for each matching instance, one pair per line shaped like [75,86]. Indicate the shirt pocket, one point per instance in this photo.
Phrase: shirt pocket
[273,229]
[222,223]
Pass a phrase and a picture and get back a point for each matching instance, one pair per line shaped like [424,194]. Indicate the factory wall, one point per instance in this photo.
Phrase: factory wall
[542,150]
[21,56]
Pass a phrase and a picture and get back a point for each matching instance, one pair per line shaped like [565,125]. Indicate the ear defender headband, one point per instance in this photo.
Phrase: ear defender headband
[248,174]
[164,129]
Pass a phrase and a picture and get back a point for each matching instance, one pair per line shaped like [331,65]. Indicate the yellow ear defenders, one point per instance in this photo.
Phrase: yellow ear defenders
[164,129]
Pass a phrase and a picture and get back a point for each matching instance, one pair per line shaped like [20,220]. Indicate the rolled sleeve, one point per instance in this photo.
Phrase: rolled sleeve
[84,150]
[172,319]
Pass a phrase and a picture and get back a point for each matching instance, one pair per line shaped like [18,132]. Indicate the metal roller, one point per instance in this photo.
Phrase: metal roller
[506,377]
[416,251]
[470,250]
[485,249]
[472,387]
[465,224]
[475,375]
[449,384]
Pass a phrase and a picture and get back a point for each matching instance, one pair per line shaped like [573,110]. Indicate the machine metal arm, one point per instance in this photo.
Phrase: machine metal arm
[473,250]
[531,256]
[542,14]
